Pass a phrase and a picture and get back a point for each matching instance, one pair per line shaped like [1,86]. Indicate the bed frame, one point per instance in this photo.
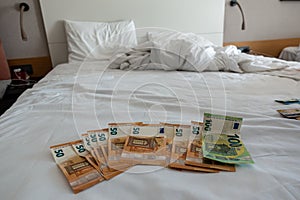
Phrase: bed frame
[271,48]
[199,16]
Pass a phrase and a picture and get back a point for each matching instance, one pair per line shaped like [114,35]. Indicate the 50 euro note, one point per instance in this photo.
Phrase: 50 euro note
[77,170]
[168,130]
[78,147]
[88,146]
[145,145]
[179,150]
[91,139]
[194,155]
[221,140]
[117,135]
[98,144]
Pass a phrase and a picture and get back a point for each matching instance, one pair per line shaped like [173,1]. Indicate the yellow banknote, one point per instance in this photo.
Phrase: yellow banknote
[77,170]
[145,145]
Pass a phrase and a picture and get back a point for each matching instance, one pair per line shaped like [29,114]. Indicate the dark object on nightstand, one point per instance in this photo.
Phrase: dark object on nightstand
[13,91]
[244,49]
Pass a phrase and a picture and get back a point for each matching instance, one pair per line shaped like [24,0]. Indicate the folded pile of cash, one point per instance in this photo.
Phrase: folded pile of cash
[212,146]
[292,113]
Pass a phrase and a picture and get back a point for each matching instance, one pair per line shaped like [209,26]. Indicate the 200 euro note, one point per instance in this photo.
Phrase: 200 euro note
[194,155]
[117,135]
[98,140]
[179,150]
[145,145]
[221,140]
[78,171]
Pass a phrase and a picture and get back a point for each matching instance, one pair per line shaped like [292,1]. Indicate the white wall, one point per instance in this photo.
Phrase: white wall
[36,46]
[265,19]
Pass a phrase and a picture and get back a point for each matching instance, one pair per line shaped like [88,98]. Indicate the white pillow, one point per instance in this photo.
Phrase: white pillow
[92,41]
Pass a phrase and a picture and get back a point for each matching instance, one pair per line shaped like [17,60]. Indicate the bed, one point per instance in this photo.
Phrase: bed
[79,96]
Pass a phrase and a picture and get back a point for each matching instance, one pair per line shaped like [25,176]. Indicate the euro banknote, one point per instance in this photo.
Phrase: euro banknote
[221,140]
[146,145]
[117,135]
[98,143]
[168,130]
[79,148]
[179,150]
[290,113]
[77,170]
[194,155]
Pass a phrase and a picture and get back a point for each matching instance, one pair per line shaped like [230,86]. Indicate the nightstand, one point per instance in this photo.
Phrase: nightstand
[256,53]
[246,49]
[13,91]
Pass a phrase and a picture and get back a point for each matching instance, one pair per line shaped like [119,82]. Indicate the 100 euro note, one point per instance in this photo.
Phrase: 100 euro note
[77,170]
[145,145]
[194,155]
[221,140]
[179,150]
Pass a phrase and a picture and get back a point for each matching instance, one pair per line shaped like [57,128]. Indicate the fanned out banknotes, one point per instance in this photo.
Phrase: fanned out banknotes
[212,146]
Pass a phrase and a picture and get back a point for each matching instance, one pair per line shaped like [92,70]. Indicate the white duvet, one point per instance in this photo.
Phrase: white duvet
[189,52]
[75,98]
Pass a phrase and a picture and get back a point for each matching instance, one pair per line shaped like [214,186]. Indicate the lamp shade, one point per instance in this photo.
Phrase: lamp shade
[4,68]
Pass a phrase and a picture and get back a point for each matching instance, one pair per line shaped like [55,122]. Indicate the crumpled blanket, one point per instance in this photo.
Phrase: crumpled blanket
[178,55]
[185,52]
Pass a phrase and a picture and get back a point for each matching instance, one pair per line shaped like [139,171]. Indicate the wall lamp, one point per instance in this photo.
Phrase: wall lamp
[23,8]
[236,3]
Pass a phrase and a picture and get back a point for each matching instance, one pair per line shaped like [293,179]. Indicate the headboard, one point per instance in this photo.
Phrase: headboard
[198,16]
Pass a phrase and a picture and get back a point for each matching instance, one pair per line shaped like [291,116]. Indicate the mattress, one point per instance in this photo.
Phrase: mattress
[74,98]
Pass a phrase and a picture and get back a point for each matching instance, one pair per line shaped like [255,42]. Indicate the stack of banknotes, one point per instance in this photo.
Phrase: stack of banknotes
[210,146]
[292,113]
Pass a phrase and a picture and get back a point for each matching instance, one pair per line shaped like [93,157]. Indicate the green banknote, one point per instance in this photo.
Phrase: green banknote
[221,140]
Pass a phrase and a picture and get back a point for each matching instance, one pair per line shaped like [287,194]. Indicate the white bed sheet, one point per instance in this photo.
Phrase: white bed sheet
[73,99]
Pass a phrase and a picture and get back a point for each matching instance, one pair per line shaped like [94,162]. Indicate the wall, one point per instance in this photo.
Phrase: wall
[172,14]
[265,20]
[10,35]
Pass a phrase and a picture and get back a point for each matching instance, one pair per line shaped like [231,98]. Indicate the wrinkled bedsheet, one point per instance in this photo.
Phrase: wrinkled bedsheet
[72,99]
